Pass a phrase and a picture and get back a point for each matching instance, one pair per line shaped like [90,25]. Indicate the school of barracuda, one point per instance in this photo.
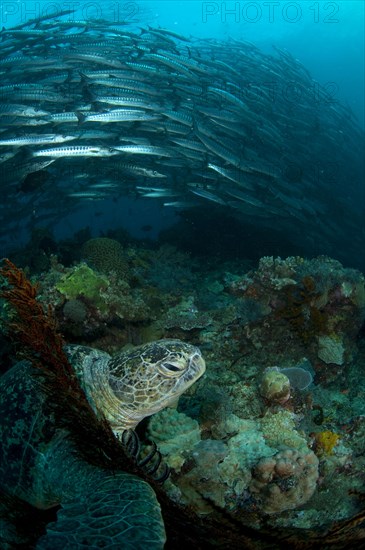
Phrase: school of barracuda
[91,110]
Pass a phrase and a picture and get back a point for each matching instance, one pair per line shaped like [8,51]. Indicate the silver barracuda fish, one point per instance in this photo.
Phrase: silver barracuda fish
[213,121]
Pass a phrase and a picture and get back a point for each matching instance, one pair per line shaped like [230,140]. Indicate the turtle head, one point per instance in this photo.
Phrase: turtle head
[179,367]
[151,377]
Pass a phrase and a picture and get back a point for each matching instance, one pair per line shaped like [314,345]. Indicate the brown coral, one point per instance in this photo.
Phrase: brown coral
[106,255]
[302,310]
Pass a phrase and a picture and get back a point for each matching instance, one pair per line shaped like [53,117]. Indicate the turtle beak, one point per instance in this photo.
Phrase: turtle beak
[195,369]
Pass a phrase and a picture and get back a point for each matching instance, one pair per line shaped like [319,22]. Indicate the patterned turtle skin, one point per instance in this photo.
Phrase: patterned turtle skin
[38,462]
[130,386]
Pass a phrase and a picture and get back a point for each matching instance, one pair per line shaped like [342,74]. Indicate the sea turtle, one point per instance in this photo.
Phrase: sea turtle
[40,464]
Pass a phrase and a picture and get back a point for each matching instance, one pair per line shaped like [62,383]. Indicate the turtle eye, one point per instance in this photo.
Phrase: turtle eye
[170,367]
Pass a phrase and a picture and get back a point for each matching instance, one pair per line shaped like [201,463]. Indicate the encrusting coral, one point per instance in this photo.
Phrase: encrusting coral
[183,433]
[279,429]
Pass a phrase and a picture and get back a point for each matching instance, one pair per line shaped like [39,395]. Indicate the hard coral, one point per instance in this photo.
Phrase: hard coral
[106,255]
[275,386]
[284,481]
[279,429]
[174,433]
[186,316]
[75,311]
[302,309]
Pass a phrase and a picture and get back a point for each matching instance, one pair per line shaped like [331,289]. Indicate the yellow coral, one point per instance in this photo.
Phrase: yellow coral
[325,442]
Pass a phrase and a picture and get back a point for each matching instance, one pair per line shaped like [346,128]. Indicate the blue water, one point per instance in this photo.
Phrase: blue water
[327,37]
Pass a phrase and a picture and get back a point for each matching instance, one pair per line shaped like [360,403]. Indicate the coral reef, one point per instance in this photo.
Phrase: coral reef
[261,457]
[83,282]
[285,481]
[248,445]
[275,386]
[316,305]
[201,486]
[186,316]
[174,433]
[244,450]
[170,269]
[105,255]
[91,305]
[325,442]
[276,430]
[279,429]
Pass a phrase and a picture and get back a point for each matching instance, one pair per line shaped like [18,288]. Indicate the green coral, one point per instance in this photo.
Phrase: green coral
[175,433]
[248,445]
[83,281]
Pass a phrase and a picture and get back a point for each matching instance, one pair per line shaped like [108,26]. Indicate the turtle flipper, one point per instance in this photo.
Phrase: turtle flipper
[121,511]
